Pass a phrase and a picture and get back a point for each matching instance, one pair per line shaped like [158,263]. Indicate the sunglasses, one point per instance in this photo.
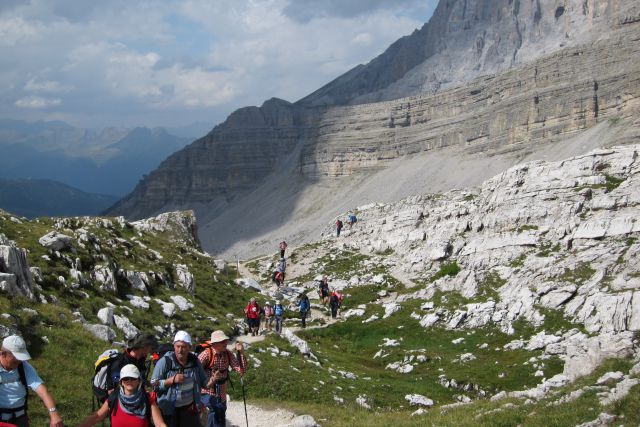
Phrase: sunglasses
[129,379]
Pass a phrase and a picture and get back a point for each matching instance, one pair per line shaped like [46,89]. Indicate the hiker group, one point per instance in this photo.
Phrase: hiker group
[266,316]
[351,220]
[185,389]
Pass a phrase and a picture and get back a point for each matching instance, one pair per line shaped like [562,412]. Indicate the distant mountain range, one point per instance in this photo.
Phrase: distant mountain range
[32,198]
[109,161]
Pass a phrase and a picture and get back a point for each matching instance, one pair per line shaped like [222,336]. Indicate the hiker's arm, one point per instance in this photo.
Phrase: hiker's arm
[158,376]
[47,399]
[100,415]
[156,416]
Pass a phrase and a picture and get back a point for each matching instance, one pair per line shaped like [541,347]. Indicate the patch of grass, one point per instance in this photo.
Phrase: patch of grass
[488,288]
[526,227]
[580,274]
[387,251]
[518,262]
[446,269]
[470,197]
[546,249]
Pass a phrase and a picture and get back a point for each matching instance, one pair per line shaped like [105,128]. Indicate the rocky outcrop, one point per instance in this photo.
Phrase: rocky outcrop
[182,224]
[540,236]
[15,275]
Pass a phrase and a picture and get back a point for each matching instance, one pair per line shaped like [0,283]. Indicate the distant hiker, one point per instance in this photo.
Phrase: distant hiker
[129,405]
[278,312]
[305,308]
[340,296]
[107,373]
[279,273]
[217,361]
[339,226]
[283,247]
[323,290]
[351,220]
[252,311]
[268,316]
[178,378]
[334,303]
[16,377]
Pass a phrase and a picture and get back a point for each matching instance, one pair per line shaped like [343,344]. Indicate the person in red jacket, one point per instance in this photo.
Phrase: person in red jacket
[252,311]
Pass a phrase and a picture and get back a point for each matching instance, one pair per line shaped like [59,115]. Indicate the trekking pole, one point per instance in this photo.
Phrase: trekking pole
[244,398]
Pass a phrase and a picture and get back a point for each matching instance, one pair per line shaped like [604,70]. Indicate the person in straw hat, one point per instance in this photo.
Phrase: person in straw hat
[217,360]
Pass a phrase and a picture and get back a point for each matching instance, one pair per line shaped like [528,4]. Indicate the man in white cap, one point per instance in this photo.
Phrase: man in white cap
[178,377]
[217,359]
[16,375]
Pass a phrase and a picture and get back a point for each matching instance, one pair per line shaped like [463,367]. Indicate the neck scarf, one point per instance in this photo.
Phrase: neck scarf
[134,404]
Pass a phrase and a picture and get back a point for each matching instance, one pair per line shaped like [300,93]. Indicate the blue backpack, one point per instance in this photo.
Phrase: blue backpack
[279,310]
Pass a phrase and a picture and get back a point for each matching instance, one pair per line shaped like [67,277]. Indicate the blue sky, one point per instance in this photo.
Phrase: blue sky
[170,63]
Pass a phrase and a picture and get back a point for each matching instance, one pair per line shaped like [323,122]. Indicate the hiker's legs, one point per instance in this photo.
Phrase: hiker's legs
[302,319]
[281,253]
[278,324]
[334,311]
[187,417]
[217,411]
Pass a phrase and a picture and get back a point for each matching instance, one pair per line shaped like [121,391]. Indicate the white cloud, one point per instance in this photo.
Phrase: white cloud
[15,30]
[117,62]
[37,102]
[47,86]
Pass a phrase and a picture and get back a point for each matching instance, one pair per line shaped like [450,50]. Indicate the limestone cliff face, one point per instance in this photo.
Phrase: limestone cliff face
[552,98]
[547,100]
[468,38]
[233,157]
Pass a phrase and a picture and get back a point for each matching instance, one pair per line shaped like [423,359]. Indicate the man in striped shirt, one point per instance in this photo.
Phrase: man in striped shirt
[217,361]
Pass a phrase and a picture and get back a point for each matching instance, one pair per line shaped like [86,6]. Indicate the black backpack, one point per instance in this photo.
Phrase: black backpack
[113,403]
[102,380]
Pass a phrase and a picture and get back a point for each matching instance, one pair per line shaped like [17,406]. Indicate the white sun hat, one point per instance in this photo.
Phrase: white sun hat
[218,336]
[182,336]
[129,371]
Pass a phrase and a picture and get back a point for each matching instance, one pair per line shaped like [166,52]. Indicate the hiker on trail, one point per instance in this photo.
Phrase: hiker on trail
[217,362]
[334,303]
[16,377]
[252,311]
[351,220]
[323,290]
[129,405]
[283,247]
[305,308]
[278,275]
[278,312]
[107,377]
[339,226]
[178,378]
[268,316]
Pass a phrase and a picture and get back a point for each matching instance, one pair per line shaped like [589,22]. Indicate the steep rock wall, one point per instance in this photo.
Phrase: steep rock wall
[548,100]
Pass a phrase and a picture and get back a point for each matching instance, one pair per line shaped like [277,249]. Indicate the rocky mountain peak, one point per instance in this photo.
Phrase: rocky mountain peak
[466,39]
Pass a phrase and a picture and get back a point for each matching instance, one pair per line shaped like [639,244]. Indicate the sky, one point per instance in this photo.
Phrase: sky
[168,63]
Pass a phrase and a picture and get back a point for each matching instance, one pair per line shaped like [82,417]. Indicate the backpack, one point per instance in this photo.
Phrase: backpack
[339,224]
[279,310]
[161,351]
[102,376]
[113,404]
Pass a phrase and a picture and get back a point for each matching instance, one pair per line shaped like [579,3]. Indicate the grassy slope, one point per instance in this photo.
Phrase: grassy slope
[66,361]
[291,381]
